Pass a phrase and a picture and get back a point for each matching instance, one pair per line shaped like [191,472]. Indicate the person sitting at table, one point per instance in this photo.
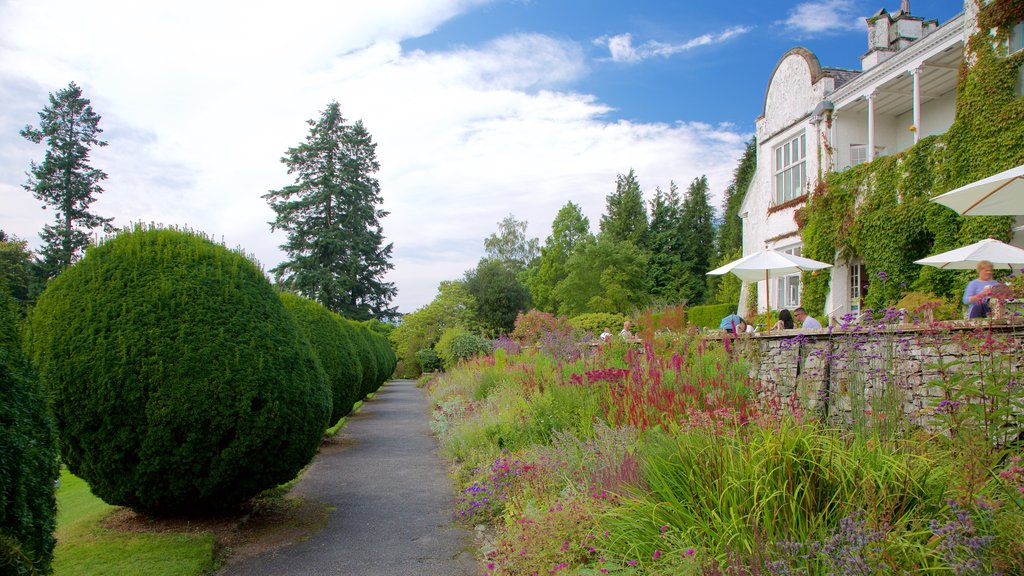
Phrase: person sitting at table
[806,322]
[978,291]
[733,323]
[785,321]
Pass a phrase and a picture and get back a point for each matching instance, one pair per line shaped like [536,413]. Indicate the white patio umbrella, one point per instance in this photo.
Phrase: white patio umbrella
[766,264]
[998,195]
[1000,254]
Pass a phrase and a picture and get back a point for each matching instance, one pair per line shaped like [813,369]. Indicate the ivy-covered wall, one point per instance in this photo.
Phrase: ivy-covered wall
[881,212]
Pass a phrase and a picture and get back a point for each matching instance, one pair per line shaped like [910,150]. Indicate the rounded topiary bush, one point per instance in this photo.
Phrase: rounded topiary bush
[178,381]
[28,459]
[364,349]
[334,349]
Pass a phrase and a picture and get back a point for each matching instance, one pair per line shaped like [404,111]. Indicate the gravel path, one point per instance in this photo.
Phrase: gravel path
[393,499]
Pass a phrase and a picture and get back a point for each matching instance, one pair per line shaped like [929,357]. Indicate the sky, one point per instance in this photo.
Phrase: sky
[480,109]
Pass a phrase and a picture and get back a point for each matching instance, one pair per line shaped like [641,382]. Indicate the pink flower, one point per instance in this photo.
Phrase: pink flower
[691,552]
[657,553]
[632,562]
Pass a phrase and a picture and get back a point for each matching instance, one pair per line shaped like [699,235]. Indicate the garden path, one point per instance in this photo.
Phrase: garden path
[393,500]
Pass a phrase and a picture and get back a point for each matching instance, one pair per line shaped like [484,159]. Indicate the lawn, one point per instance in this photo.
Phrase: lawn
[86,548]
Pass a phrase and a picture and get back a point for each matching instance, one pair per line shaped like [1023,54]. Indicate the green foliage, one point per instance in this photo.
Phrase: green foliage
[335,248]
[16,269]
[332,348]
[64,180]
[28,459]
[597,322]
[625,217]
[709,316]
[177,379]
[499,294]
[666,241]
[697,230]
[607,276]
[458,344]
[923,305]
[855,213]
[510,246]
[428,360]
[367,359]
[734,491]
[570,231]
[730,231]
[453,306]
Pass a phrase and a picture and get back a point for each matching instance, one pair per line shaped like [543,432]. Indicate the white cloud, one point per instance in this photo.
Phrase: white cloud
[197,127]
[621,49]
[827,17]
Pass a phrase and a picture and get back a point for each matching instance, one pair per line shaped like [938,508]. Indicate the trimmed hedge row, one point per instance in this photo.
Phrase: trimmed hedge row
[28,459]
[709,316]
[356,359]
[178,380]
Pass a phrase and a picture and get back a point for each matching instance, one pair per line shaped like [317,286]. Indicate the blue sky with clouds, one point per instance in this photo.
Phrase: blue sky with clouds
[480,108]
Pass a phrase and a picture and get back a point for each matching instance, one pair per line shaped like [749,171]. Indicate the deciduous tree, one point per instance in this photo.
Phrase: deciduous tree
[335,247]
[570,231]
[64,180]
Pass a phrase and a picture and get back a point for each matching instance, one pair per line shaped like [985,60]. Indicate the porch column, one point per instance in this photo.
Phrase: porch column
[871,126]
[916,75]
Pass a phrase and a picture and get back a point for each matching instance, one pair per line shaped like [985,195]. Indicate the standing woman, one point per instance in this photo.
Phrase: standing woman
[978,291]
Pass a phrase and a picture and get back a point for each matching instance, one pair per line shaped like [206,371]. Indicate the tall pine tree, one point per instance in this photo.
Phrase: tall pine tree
[335,248]
[730,232]
[65,180]
[626,216]
[697,222]
[666,245]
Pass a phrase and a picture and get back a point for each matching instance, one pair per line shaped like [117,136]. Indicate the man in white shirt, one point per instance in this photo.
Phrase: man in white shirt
[806,322]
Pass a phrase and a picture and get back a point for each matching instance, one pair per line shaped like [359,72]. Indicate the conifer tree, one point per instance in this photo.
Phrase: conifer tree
[697,222]
[65,180]
[666,243]
[335,248]
[626,214]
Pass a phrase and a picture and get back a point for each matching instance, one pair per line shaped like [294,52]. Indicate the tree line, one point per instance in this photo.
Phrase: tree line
[645,253]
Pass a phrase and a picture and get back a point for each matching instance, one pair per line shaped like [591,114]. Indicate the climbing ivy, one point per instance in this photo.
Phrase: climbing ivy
[882,213]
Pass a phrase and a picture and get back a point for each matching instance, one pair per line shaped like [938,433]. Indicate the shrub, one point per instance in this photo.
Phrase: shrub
[28,460]
[355,343]
[428,360]
[458,344]
[178,380]
[333,347]
[534,325]
[361,337]
[596,322]
[924,305]
[708,316]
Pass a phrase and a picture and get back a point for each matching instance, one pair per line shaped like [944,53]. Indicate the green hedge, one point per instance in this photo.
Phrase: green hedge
[178,381]
[28,459]
[333,347]
[597,322]
[367,358]
[709,316]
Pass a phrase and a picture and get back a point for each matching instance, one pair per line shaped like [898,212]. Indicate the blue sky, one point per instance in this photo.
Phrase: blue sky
[480,108]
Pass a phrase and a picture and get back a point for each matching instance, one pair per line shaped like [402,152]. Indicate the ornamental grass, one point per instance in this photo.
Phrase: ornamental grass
[667,458]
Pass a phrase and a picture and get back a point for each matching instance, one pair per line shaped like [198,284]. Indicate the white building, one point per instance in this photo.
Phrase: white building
[817,119]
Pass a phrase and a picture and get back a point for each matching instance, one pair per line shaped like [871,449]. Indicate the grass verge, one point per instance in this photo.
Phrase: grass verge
[86,548]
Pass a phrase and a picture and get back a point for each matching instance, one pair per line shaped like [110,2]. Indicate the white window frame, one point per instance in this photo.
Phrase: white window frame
[858,154]
[787,288]
[790,164]
[856,286]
